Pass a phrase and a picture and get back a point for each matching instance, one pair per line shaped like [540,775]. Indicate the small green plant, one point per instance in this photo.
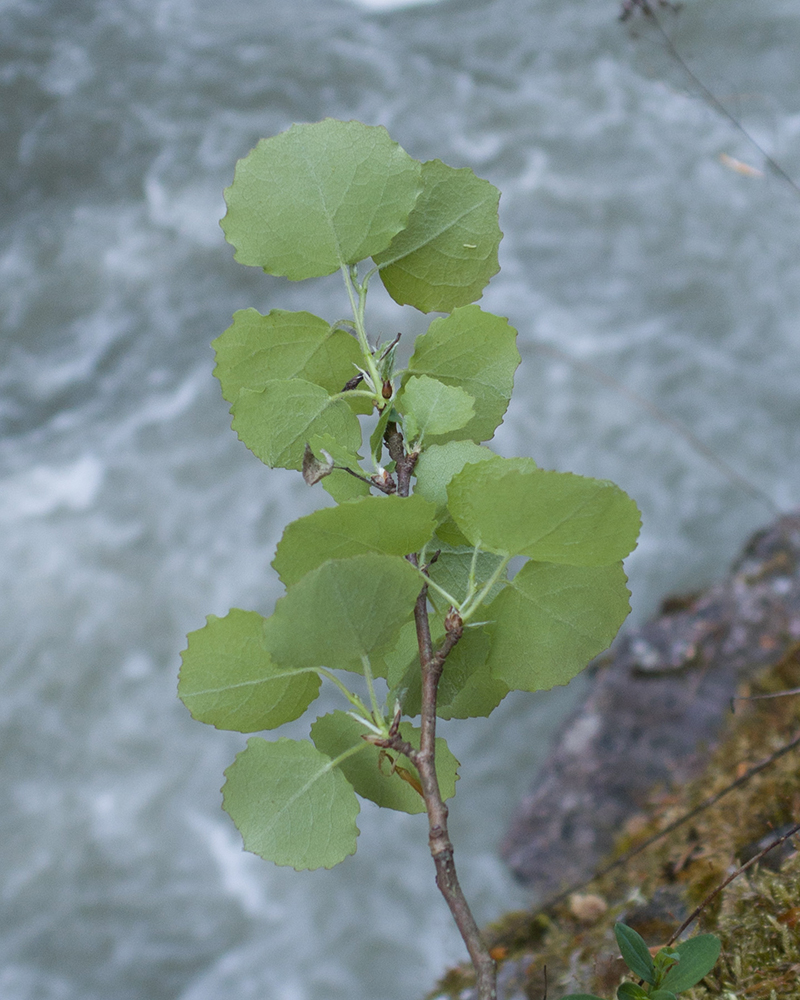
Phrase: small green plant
[669,972]
[400,594]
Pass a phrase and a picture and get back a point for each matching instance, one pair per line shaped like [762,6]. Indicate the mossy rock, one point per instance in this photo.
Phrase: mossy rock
[756,917]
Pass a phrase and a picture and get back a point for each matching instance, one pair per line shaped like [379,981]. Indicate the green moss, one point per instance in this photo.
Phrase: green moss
[757,917]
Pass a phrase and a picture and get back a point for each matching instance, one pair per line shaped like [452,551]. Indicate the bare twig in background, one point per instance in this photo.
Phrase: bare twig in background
[712,895]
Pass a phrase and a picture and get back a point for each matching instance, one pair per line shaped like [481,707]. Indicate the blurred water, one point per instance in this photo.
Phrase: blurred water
[130,511]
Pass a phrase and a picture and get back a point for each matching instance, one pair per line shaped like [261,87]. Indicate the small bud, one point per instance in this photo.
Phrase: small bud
[384,482]
[453,624]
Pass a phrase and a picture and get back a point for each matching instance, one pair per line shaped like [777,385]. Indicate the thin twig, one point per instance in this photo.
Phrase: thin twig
[763,697]
[705,804]
[715,101]
[438,836]
[712,895]
[431,666]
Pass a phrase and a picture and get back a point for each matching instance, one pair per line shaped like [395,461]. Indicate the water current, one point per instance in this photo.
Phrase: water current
[636,242]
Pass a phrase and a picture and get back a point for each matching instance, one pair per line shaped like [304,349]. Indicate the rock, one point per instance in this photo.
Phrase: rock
[654,711]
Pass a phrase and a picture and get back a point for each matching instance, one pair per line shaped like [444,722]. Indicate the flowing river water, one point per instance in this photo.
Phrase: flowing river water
[645,238]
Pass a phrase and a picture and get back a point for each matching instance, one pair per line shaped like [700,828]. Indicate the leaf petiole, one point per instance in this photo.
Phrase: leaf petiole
[471,583]
[353,394]
[353,287]
[452,601]
[364,721]
[336,761]
[354,700]
[377,714]
[472,605]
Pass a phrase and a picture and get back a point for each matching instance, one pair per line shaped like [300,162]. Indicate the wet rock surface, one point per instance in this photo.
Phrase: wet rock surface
[657,703]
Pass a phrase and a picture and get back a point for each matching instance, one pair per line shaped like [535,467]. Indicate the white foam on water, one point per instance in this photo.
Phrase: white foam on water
[42,490]
[387,5]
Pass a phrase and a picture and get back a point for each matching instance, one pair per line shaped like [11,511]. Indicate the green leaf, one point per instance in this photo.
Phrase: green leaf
[291,804]
[467,689]
[276,422]
[448,530]
[432,408]
[384,777]
[392,525]
[340,484]
[343,487]
[698,957]
[400,666]
[376,437]
[582,996]
[551,620]
[258,349]
[550,516]
[662,995]
[631,991]
[664,960]
[635,952]
[342,611]
[476,351]
[437,465]
[314,198]
[229,680]
[447,253]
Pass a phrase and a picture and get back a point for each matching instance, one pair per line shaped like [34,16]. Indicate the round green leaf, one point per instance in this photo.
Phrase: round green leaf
[549,516]
[276,422]
[386,778]
[551,620]
[476,351]
[431,408]
[448,251]
[392,525]
[291,804]
[229,680]
[342,611]
[258,349]
[314,198]
[437,465]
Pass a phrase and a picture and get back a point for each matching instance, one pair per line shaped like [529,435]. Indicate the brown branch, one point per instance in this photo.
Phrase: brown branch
[438,836]
[404,463]
[392,742]
[431,665]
